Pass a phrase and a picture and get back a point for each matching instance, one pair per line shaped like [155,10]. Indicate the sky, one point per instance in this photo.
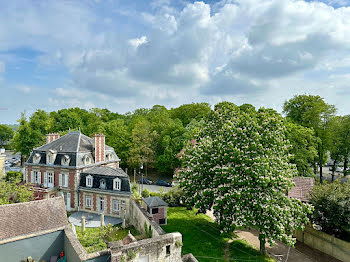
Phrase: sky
[123,55]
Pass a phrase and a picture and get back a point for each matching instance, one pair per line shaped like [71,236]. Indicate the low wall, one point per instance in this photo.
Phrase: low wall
[328,244]
[138,217]
[162,248]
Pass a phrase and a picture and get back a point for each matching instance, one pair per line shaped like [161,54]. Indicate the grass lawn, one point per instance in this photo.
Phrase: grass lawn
[203,239]
[92,239]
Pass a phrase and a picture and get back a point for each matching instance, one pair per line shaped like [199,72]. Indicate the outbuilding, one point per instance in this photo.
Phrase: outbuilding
[157,209]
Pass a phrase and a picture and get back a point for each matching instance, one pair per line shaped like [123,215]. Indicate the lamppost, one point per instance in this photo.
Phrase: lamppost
[140,173]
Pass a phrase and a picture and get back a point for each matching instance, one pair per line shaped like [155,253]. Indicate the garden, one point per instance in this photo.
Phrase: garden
[202,237]
[95,239]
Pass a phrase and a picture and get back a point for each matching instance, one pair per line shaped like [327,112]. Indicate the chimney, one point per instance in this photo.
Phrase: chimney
[99,147]
[52,137]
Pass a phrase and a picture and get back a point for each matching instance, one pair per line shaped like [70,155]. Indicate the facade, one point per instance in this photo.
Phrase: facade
[302,189]
[54,169]
[2,162]
[104,189]
[156,208]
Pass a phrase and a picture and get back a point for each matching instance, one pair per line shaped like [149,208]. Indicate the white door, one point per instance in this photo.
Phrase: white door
[50,179]
[101,205]
[143,259]
[67,201]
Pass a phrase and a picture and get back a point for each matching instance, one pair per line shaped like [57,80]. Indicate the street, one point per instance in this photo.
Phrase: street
[327,174]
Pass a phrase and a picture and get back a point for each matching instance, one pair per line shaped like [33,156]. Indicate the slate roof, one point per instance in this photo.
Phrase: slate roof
[32,217]
[105,171]
[74,141]
[303,186]
[155,202]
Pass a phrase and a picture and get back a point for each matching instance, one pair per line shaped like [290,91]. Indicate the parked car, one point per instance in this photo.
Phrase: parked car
[162,183]
[145,181]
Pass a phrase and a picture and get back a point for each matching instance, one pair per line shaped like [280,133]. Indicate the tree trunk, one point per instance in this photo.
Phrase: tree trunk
[333,169]
[262,244]
[315,168]
[321,178]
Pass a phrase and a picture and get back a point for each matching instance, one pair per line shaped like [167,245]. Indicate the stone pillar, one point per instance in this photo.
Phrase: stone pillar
[102,220]
[82,224]
[123,216]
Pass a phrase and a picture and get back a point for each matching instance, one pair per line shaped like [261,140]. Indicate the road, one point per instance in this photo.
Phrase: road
[155,188]
[327,174]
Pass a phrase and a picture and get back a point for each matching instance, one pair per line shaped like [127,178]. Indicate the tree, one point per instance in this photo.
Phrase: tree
[142,150]
[303,147]
[6,134]
[240,168]
[186,113]
[313,112]
[26,138]
[336,144]
[12,192]
[332,208]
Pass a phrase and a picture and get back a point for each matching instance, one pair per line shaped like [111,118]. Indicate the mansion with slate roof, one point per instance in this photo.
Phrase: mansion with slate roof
[84,170]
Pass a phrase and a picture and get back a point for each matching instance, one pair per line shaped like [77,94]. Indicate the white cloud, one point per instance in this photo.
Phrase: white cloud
[24,88]
[136,42]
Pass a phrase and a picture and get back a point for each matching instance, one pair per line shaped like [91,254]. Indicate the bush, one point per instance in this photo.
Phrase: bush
[135,190]
[173,197]
[332,208]
[16,176]
[145,193]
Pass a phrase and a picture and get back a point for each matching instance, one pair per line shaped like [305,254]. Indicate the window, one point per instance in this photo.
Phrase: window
[63,180]
[50,157]
[161,221]
[65,160]
[36,158]
[109,157]
[154,210]
[168,250]
[102,184]
[115,205]
[88,201]
[116,184]
[89,181]
[123,202]
[50,178]
[86,160]
[37,177]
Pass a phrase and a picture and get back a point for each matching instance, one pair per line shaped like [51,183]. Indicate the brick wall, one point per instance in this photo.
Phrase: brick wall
[94,202]
[29,172]
[159,215]
[71,184]
[42,170]
[56,174]
[81,200]
[108,204]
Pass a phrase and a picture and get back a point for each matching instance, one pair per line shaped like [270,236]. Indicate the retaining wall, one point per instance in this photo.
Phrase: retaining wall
[328,244]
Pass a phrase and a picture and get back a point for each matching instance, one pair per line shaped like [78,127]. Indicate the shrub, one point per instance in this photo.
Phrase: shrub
[173,197]
[145,193]
[332,208]
[15,176]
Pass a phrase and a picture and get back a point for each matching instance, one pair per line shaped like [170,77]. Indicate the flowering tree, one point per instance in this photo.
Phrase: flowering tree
[240,168]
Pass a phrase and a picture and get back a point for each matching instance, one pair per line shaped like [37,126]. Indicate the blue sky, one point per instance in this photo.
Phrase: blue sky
[123,55]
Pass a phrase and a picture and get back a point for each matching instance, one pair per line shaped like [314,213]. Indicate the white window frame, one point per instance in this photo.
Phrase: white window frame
[103,186]
[63,180]
[117,183]
[116,205]
[37,177]
[50,179]
[89,181]
[88,201]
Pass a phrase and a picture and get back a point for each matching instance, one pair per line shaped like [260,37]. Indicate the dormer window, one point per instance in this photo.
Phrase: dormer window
[65,160]
[116,184]
[89,180]
[86,160]
[50,157]
[109,157]
[36,158]
[102,184]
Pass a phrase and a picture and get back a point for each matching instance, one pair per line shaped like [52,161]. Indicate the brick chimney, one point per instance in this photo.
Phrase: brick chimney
[99,147]
[52,137]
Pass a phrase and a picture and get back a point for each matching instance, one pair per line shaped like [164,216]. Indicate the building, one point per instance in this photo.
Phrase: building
[104,189]
[54,169]
[2,162]
[157,209]
[302,189]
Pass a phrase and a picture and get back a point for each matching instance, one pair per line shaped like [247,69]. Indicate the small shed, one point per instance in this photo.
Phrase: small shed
[156,208]
[302,189]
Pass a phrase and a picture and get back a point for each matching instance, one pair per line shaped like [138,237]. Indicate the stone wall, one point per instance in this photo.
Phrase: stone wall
[138,216]
[326,243]
[164,248]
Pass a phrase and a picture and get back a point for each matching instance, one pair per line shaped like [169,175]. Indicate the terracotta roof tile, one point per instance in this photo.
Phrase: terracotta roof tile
[303,186]
[31,217]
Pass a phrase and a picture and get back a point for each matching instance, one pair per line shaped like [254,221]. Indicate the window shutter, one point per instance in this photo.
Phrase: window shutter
[39,178]
[66,180]
[60,180]
[45,179]
[32,177]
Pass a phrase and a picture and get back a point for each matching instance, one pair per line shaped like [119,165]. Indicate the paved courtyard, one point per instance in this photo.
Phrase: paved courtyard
[92,220]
